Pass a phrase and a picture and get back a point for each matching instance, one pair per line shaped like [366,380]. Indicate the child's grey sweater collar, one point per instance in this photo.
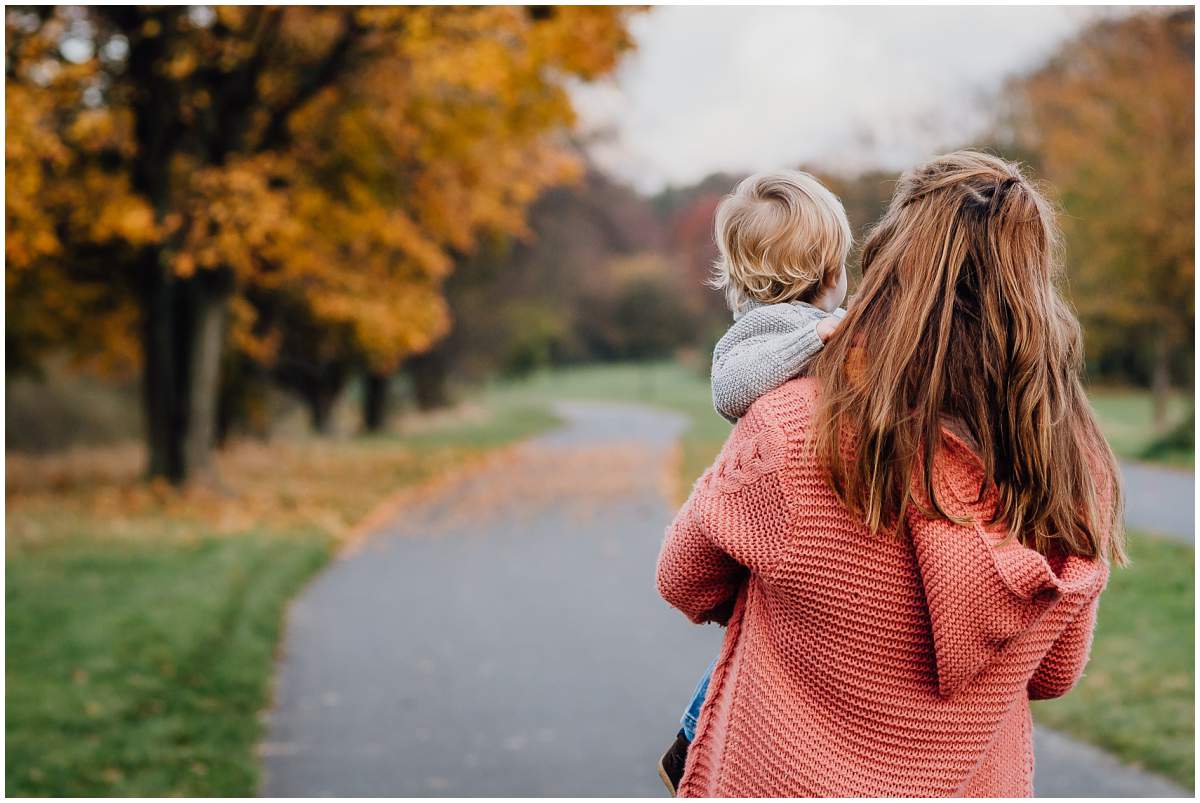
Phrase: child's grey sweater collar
[751,305]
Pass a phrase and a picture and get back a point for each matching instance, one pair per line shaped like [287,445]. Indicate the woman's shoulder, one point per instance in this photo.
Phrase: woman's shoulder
[788,407]
[775,423]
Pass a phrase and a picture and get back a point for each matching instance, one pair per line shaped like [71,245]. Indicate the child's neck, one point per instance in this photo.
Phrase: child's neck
[828,300]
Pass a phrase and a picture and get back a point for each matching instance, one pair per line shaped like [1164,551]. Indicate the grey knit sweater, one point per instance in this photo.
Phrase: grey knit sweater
[766,346]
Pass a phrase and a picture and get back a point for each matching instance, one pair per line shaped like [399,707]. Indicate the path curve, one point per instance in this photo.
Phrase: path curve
[1160,501]
[505,637]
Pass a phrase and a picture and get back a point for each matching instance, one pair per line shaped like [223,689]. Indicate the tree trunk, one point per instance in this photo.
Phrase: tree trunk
[160,379]
[230,401]
[428,372]
[375,393]
[320,409]
[1161,380]
[183,337]
[240,400]
[207,344]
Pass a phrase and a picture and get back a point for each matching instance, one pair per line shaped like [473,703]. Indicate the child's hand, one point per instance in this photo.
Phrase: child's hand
[826,327]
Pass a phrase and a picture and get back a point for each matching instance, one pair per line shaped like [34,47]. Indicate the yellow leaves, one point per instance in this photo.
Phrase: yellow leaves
[180,65]
[47,183]
[583,40]
[390,325]
[93,129]
[285,483]
[30,143]
[444,127]
[260,347]
[232,218]
[114,212]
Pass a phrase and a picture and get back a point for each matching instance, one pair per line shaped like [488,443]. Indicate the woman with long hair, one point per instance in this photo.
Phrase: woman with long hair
[909,544]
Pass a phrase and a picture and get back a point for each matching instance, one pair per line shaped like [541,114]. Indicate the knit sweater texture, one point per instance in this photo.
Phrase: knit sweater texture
[766,346]
[865,665]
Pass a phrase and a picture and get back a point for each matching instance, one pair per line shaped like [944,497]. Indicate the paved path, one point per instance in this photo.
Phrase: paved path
[505,638]
[1066,768]
[1160,500]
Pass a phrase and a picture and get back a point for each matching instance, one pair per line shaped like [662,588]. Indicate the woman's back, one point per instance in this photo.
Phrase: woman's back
[859,664]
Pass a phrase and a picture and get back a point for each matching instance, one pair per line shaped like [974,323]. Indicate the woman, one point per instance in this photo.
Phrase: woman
[908,545]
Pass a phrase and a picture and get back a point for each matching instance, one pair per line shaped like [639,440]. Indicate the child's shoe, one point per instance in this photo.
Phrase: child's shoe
[670,766]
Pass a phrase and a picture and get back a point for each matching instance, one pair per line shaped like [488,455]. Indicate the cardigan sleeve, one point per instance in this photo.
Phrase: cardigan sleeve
[736,511]
[694,574]
[1063,665]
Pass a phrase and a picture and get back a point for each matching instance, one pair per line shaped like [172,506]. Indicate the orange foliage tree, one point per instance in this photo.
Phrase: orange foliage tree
[250,175]
[1110,122]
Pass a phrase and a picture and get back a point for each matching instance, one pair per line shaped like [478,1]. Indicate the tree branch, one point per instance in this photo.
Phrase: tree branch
[323,74]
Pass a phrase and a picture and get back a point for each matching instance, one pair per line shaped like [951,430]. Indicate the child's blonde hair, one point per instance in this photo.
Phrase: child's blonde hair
[782,237]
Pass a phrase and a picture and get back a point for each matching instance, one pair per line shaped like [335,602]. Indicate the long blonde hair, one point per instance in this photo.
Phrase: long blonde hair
[958,318]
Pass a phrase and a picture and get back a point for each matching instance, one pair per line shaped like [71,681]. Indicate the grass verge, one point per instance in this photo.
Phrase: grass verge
[138,668]
[1136,698]
[1127,418]
[141,622]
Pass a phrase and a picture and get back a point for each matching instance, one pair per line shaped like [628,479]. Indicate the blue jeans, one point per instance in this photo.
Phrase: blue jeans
[692,715]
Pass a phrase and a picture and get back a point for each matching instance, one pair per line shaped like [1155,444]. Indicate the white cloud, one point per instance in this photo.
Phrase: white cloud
[749,88]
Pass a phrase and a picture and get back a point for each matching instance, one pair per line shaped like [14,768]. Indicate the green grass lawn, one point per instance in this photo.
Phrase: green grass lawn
[140,668]
[1127,417]
[1137,697]
[140,642]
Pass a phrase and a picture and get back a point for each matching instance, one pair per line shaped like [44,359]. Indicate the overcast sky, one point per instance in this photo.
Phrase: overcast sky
[751,88]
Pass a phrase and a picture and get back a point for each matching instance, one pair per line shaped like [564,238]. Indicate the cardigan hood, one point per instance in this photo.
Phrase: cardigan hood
[983,588]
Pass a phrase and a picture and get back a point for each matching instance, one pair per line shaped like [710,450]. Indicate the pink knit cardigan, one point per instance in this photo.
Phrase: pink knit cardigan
[860,665]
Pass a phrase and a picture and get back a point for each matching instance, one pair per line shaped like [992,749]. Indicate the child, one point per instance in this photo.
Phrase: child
[783,240]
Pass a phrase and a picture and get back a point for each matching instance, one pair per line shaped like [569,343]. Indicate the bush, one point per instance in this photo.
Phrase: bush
[1179,440]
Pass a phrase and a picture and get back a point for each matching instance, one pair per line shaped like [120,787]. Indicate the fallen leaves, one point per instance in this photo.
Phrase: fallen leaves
[312,484]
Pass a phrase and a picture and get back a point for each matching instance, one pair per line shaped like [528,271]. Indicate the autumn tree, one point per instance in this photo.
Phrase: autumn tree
[293,176]
[1110,123]
[59,192]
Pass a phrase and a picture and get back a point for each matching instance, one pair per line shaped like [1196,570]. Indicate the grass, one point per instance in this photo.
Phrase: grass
[137,668]
[1136,698]
[141,622]
[1127,418]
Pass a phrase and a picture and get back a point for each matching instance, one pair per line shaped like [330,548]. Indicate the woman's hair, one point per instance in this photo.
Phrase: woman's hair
[782,236]
[958,321]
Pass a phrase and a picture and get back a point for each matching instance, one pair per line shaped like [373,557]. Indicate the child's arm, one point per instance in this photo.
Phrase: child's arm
[765,348]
